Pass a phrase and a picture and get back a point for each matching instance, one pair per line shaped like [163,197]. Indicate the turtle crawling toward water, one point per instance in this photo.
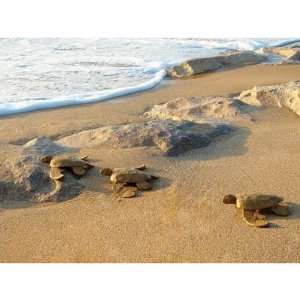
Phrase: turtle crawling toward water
[58,164]
[130,180]
[251,206]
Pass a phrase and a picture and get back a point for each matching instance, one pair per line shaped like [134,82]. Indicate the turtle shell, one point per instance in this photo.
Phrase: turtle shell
[257,201]
[67,162]
[129,176]
[144,186]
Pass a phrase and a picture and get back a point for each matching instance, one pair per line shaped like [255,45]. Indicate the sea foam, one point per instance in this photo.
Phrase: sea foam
[35,71]
[33,105]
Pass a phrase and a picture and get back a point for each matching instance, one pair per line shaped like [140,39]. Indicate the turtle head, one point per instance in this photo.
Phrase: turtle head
[46,159]
[229,199]
[106,172]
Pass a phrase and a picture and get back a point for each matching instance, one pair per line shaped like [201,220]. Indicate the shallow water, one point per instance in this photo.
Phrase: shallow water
[45,73]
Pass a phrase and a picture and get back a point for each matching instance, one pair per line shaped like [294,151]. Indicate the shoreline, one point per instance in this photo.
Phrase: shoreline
[62,120]
[182,219]
[212,55]
[80,99]
[163,82]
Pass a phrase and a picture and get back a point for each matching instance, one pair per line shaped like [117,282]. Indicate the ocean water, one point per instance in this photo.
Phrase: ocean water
[46,73]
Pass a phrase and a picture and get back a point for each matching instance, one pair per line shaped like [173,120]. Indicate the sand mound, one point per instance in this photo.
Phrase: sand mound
[281,95]
[44,146]
[171,137]
[201,109]
[26,178]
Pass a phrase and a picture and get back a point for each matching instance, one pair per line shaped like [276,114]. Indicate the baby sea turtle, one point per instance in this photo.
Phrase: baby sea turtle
[251,206]
[79,166]
[129,176]
[58,164]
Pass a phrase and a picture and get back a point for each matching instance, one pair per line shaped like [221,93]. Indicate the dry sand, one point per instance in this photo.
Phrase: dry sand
[183,219]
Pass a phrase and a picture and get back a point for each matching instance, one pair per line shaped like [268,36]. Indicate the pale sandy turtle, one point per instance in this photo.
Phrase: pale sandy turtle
[78,166]
[131,176]
[58,164]
[252,206]
[109,171]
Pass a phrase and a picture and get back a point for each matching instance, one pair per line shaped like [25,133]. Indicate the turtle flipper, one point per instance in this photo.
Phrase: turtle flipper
[281,210]
[52,195]
[56,173]
[114,187]
[251,218]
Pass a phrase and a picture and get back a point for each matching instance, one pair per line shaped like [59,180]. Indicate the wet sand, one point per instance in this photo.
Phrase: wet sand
[183,218]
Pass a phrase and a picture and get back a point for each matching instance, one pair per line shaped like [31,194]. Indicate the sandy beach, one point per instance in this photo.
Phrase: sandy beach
[183,219]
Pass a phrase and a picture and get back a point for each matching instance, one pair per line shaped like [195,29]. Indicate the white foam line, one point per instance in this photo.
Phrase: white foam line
[33,105]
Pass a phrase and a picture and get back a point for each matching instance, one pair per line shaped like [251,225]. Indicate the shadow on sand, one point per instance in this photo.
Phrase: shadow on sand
[272,218]
[232,144]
